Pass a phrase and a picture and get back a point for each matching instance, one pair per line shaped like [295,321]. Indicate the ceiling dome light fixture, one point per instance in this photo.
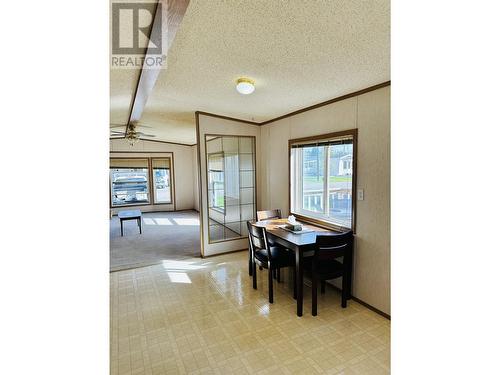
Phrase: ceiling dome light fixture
[245,86]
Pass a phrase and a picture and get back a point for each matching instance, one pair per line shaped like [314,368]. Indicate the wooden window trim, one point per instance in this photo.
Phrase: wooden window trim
[317,221]
[149,186]
[151,201]
[170,169]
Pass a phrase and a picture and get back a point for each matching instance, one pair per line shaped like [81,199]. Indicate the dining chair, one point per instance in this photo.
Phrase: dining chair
[326,264]
[269,214]
[264,215]
[267,256]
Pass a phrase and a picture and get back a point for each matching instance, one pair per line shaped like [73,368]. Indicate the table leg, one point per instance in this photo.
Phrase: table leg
[299,277]
[121,226]
[139,222]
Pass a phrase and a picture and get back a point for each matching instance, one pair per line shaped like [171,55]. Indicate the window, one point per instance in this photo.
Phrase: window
[129,181]
[321,178]
[161,180]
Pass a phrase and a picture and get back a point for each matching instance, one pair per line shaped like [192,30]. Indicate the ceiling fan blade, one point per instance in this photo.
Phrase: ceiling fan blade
[125,125]
[116,132]
[145,135]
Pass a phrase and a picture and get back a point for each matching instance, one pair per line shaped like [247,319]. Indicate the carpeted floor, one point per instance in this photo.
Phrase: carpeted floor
[165,235]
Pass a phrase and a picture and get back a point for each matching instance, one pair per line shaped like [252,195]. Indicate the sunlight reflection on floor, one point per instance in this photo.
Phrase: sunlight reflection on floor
[186,221]
[157,221]
[179,277]
[182,265]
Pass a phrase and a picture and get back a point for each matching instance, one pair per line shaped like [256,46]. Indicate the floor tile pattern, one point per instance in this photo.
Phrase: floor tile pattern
[201,316]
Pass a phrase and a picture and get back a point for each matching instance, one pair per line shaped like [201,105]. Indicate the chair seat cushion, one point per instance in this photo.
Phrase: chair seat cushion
[279,255]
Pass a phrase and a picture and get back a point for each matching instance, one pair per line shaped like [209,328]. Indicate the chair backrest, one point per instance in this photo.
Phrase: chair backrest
[257,237]
[269,214]
[329,247]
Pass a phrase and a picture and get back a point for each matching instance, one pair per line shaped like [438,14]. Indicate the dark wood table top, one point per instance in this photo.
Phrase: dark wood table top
[129,214]
[298,239]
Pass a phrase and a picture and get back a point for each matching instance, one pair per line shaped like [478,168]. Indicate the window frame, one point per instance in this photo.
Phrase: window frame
[170,169]
[314,220]
[149,202]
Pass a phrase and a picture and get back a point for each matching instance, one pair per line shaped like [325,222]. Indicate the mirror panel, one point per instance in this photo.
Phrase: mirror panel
[230,185]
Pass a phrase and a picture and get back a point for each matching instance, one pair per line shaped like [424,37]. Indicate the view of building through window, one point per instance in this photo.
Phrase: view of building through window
[322,181]
[129,186]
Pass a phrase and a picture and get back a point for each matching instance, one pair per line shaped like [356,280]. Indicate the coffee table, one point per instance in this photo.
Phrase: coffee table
[130,215]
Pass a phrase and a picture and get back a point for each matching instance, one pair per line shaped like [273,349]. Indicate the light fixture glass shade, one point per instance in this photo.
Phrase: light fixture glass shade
[132,139]
[245,86]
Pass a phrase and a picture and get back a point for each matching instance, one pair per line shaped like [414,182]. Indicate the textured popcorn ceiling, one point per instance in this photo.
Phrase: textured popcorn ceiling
[122,86]
[298,52]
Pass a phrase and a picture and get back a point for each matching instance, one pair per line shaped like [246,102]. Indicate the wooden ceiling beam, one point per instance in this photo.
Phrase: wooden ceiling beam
[167,20]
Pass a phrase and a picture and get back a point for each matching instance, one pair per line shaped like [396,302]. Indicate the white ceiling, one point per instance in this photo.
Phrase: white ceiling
[298,52]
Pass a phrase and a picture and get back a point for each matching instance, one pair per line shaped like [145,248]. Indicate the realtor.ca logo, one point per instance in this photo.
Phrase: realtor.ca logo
[137,36]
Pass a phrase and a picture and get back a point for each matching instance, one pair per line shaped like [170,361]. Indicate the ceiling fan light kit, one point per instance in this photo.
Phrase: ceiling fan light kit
[132,135]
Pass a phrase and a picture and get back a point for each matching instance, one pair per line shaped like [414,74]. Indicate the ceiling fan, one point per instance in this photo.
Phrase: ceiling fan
[132,135]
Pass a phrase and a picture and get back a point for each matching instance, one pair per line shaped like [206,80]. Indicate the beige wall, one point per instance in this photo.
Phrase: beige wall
[183,170]
[370,114]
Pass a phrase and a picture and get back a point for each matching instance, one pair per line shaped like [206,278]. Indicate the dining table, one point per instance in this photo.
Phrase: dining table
[302,243]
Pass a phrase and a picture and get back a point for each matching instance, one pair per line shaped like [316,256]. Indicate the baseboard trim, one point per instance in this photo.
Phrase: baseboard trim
[361,302]
[374,309]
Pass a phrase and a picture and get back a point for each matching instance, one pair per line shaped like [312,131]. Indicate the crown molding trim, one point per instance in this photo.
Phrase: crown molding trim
[305,109]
